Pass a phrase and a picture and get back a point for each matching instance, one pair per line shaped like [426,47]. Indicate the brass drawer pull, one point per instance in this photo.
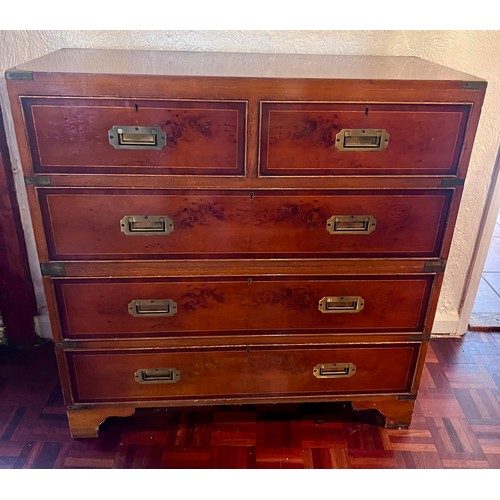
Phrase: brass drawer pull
[341,304]
[125,137]
[351,224]
[368,139]
[149,308]
[334,370]
[157,376]
[157,225]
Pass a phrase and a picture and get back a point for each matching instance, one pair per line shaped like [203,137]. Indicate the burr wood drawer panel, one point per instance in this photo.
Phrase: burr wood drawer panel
[119,224]
[310,138]
[72,135]
[99,376]
[100,308]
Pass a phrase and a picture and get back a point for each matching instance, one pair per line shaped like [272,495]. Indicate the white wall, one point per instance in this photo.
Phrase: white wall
[475,52]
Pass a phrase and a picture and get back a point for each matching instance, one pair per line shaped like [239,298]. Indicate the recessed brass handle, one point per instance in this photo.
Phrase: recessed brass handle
[157,376]
[366,139]
[152,308]
[351,224]
[334,370]
[126,137]
[144,225]
[343,304]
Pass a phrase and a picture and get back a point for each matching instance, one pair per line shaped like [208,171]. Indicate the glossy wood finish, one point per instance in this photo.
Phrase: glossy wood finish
[300,138]
[17,298]
[108,376]
[281,216]
[399,79]
[84,224]
[72,135]
[100,308]
[454,424]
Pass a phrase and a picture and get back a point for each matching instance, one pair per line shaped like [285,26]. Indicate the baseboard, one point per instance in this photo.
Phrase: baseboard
[42,326]
[446,325]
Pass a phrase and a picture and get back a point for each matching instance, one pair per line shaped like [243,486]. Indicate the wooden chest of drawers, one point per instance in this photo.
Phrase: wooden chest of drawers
[241,228]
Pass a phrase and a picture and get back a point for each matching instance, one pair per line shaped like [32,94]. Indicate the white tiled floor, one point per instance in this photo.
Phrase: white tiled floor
[488,296]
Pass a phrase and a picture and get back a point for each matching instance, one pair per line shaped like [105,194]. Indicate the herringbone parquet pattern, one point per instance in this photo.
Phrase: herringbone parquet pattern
[456,424]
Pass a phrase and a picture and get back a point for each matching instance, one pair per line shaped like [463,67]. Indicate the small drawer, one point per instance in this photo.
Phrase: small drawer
[97,224]
[116,376]
[74,135]
[309,138]
[140,308]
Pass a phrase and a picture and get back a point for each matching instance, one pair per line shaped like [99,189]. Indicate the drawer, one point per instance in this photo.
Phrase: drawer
[109,376]
[99,308]
[310,138]
[119,224]
[72,135]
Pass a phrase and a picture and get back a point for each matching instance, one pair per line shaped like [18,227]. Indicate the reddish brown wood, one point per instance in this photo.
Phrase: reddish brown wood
[273,341]
[397,412]
[85,423]
[286,305]
[83,224]
[109,376]
[233,267]
[261,224]
[72,135]
[434,83]
[300,138]
[248,183]
[17,298]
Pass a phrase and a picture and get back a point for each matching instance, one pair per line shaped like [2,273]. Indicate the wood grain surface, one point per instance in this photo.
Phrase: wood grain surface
[83,224]
[63,105]
[301,138]
[287,305]
[72,135]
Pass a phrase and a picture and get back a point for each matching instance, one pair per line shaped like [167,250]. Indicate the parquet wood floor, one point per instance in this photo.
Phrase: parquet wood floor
[456,424]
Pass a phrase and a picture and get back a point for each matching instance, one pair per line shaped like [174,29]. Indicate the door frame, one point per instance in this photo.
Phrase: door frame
[481,248]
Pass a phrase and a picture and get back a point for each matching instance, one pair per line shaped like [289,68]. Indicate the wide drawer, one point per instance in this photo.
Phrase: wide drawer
[310,138]
[99,308]
[99,376]
[119,224]
[74,135]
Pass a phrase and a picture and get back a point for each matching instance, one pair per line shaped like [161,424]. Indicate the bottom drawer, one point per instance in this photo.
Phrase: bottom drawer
[131,375]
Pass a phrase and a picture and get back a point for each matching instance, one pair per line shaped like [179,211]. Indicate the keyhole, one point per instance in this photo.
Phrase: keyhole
[136,108]
[366,111]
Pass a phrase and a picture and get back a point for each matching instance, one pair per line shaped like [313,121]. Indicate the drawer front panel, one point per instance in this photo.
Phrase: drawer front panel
[386,223]
[134,375]
[172,137]
[83,225]
[89,226]
[141,308]
[350,139]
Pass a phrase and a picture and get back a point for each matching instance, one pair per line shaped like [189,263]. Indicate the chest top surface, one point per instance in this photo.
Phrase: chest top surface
[245,65]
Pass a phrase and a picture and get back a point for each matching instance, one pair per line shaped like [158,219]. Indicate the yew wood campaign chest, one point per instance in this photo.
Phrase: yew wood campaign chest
[241,228]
